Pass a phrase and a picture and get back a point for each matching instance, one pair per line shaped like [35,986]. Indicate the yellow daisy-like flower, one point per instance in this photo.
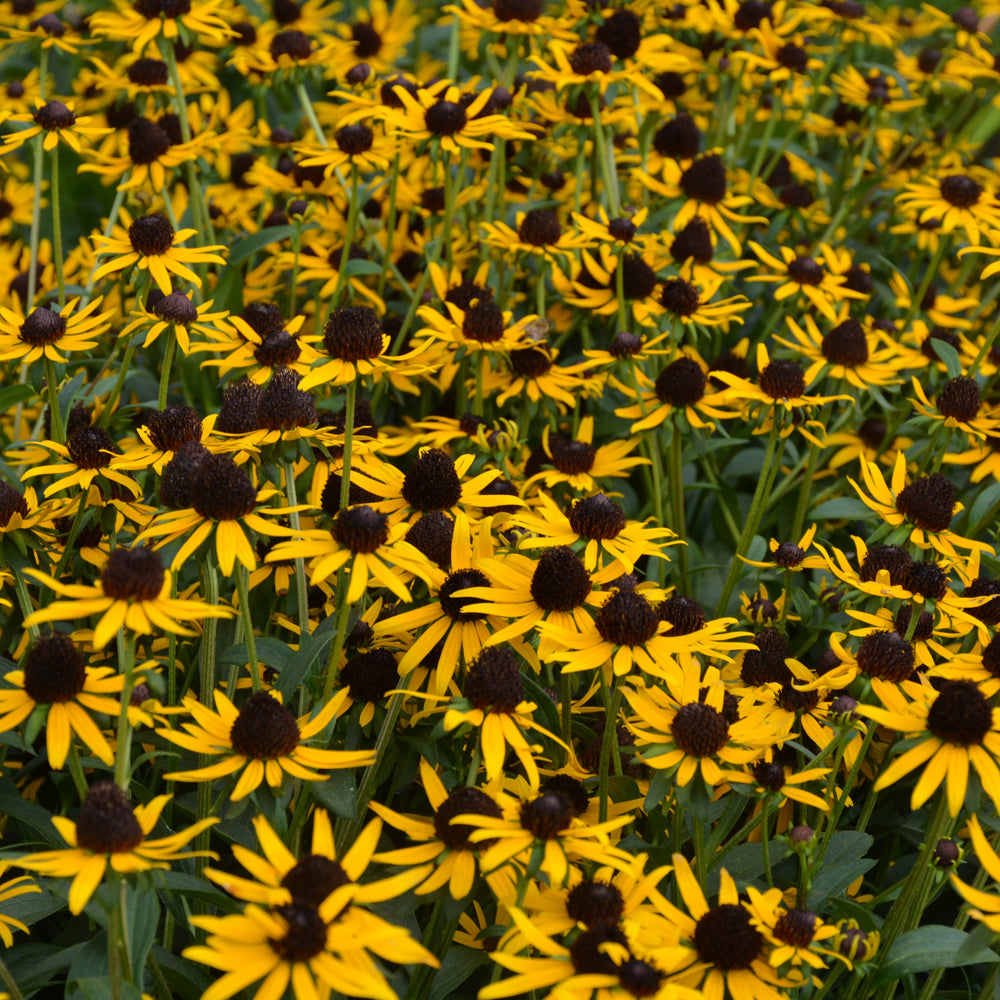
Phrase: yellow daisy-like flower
[224,503]
[576,462]
[45,333]
[921,511]
[955,201]
[959,405]
[178,312]
[611,544]
[551,823]
[109,831]
[683,387]
[279,878]
[362,540]
[141,23]
[955,727]
[263,740]
[436,112]
[726,953]
[682,726]
[153,246]
[58,122]
[820,280]
[792,556]
[444,844]
[851,350]
[132,593]
[55,675]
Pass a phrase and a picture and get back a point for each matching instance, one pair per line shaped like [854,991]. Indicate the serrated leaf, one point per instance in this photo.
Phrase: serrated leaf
[929,948]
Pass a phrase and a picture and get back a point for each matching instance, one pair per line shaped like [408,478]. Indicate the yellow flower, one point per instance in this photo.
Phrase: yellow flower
[262,739]
[153,246]
[110,831]
[132,593]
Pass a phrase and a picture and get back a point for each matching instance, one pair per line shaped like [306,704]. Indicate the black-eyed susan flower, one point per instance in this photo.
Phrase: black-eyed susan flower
[686,727]
[576,462]
[224,503]
[261,741]
[87,456]
[958,405]
[921,510]
[792,556]
[611,543]
[362,540]
[956,201]
[58,123]
[820,279]
[55,676]
[356,343]
[682,387]
[438,113]
[851,349]
[279,878]
[435,481]
[493,703]
[538,232]
[153,246]
[551,822]
[47,333]
[178,313]
[444,844]
[144,22]
[133,593]
[451,632]
[726,952]
[954,728]
[110,832]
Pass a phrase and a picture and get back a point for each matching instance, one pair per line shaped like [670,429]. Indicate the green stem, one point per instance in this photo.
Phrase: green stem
[24,599]
[929,276]
[345,472]
[52,385]
[347,831]
[606,162]
[209,639]
[123,757]
[10,982]
[306,104]
[57,241]
[36,211]
[242,590]
[677,515]
[609,746]
[168,360]
[301,590]
[353,209]
[76,771]
[769,470]
[339,638]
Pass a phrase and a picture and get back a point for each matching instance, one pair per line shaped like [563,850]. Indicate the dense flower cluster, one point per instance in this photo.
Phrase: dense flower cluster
[499,499]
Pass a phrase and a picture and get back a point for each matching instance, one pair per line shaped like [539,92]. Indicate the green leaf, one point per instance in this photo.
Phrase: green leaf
[299,666]
[99,988]
[354,267]
[14,394]
[844,864]
[68,392]
[185,978]
[840,508]
[928,948]
[142,911]
[270,650]
[659,789]
[339,793]
[948,354]
[458,965]
[249,245]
